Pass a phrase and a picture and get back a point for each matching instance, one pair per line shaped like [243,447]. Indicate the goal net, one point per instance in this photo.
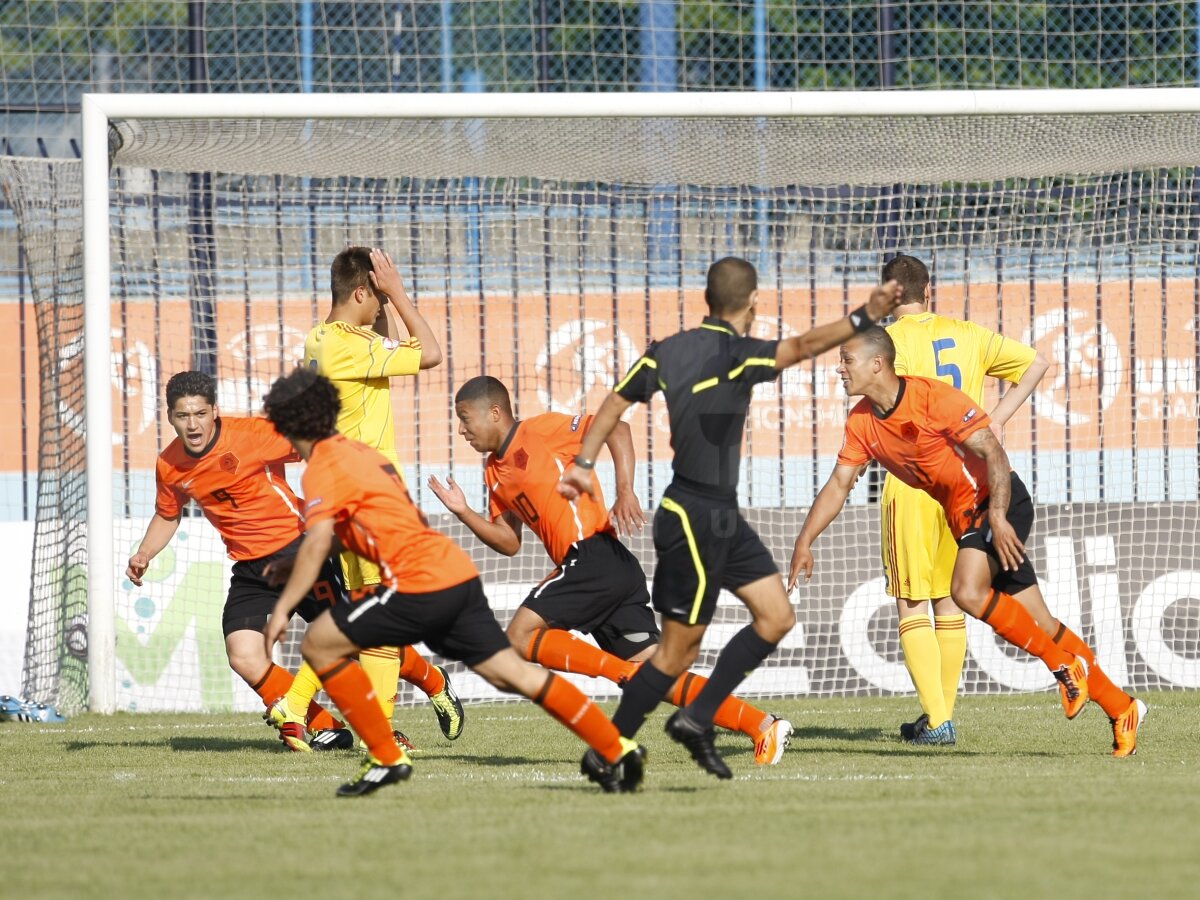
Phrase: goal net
[549,239]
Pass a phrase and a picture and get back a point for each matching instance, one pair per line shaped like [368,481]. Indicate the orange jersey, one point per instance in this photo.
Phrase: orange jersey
[919,442]
[239,483]
[522,477]
[359,489]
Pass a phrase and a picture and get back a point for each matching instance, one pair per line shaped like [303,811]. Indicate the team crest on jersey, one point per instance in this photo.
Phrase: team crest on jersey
[969,416]
[908,431]
[575,422]
[228,462]
[521,459]
[390,344]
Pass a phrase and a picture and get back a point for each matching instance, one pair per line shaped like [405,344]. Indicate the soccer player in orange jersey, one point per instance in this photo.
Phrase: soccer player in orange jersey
[934,437]
[598,587]
[429,591]
[233,468]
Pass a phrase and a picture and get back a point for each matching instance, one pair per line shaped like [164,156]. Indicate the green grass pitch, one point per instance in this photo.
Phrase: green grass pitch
[1027,805]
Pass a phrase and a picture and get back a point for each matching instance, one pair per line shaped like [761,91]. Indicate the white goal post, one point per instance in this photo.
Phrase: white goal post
[761,141]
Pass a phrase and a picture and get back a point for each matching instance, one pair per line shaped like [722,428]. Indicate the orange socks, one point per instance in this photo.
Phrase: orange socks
[319,718]
[416,670]
[274,684]
[1009,619]
[1111,698]
[567,703]
[553,648]
[350,688]
[734,714]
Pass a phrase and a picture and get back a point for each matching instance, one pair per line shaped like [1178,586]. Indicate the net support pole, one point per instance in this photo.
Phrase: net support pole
[102,640]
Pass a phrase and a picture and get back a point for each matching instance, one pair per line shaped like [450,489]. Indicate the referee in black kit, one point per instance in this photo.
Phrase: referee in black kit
[702,541]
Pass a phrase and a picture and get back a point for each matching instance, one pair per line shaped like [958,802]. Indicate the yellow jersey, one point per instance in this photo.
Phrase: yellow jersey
[959,353]
[359,361]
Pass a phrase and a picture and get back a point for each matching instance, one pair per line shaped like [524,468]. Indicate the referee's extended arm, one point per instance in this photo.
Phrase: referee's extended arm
[882,301]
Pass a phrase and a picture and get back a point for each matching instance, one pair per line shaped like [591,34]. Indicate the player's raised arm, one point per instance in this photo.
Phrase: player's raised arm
[882,301]
[1008,546]
[577,479]
[159,532]
[626,511]
[502,534]
[385,278]
[826,507]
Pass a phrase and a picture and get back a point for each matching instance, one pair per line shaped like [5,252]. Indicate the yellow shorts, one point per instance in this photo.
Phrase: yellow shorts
[917,546]
[359,572]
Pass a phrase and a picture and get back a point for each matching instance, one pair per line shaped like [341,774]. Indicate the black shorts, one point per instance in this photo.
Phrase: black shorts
[250,600]
[600,589]
[456,623]
[703,545]
[1020,516]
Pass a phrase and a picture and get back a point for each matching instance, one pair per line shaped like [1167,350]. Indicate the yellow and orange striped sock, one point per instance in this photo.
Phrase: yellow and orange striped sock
[554,648]
[382,666]
[420,672]
[733,713]
[923,659]
[951,634]
[274,683]
[350,688]
[1111,698]
[568,704]
[1009,619]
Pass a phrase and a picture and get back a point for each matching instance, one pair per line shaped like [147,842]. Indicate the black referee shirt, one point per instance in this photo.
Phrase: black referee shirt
[706,375]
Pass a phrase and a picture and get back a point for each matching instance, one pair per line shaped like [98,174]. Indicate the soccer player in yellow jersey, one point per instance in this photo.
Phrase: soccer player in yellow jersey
[358,349]
[918,549]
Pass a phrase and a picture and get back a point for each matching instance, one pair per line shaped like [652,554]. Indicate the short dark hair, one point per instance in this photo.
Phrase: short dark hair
[303,405]
[350,269]
[912,274]
[485,389]
[879,342]
[191,384]
[731,281]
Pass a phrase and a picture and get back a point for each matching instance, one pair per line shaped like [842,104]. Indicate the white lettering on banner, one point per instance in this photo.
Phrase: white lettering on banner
[853,630]
[1089,363]
[766,679]
[595,349]
[1104,591]
[1147,622]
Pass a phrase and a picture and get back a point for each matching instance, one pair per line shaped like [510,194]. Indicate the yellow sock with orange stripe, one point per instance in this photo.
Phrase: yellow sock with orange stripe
[274,683]
[554,648]
[350,688]
[951,634]
[923,659]
[1111,698]
[420,672]
[733,713]
[382,666]
[568,704]
[1005,615]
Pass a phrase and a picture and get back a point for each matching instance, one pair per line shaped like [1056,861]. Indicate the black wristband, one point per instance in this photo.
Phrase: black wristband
[585,463]
[860,320]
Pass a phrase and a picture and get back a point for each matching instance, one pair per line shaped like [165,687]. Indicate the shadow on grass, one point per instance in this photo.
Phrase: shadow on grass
[180,744]
[419,758]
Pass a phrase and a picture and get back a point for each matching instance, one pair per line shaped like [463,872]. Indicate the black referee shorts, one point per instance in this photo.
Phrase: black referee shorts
[703,545]
[1020,516]
[250,600]
[455,623]
[600,589]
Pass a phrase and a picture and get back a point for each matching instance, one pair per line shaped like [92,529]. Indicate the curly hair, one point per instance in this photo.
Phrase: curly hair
[191,384]
[303,405]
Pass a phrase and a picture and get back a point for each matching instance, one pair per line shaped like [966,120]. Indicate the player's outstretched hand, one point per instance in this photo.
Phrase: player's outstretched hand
[576,481]
[1008,546]
[276,628]
[627,512]
[138,564]
[450,494]
[802,561]
[385,277]
[278,571]
[884,299]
